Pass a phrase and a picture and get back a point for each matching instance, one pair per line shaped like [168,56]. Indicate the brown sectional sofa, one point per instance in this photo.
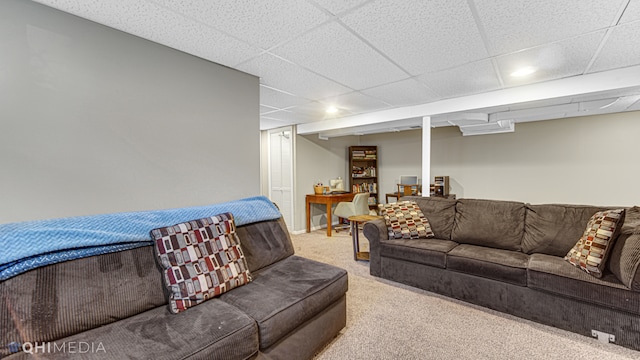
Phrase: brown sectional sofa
[508,256]
[112,306]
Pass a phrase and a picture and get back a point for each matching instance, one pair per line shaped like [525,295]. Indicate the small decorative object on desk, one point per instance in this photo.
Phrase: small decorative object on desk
[320,189]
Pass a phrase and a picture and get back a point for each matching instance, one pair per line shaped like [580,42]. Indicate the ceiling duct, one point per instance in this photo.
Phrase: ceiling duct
[459,119]
[558,111]
[389,126]
[498,127]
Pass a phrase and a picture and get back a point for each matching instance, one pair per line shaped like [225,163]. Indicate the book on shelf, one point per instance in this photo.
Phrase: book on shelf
[357,172]
[364,155]
[365,187]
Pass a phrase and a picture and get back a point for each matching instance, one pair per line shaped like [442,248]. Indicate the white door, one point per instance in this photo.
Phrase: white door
[281,172]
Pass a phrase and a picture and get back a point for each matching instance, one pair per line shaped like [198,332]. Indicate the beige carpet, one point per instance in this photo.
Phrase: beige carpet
[387,320]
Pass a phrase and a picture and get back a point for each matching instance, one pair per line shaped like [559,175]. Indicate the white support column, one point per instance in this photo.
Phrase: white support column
[426,155]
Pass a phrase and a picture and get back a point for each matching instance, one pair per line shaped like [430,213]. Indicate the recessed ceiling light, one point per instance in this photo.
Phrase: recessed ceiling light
[527,70]
[332,110]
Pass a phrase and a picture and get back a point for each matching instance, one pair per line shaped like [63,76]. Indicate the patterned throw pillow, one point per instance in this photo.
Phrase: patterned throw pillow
[200,259]
[405,220]
[590,252]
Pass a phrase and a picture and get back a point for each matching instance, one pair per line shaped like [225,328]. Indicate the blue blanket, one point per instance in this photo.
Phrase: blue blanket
[28,245]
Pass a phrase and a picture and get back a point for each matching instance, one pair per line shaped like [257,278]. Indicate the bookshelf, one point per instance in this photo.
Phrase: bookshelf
[363,165]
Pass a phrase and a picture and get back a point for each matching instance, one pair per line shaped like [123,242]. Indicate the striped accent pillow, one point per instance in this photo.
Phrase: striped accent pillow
[405,220]
[200,259]
[591,251]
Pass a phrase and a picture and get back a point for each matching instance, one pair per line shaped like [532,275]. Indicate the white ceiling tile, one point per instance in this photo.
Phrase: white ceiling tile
[285,76]
[210,44]
[122,15]
[621,48]
[278,99]
[463,80]
[313,111]
[552,61]
[295,117]
[267,123]
[261,23]
[339,55]
[421,36]
[162,26]
[404,92]
[514,25]
[338,6]
[355,103]
[632,12]
[264,109]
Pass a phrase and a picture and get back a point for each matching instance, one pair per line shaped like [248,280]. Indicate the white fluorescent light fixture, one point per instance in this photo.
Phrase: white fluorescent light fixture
[527,70]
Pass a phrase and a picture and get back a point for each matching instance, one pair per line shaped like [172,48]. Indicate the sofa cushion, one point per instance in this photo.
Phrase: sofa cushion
[498,264]
[592,249]
[286,294]
[553,229]
[200,259]
[212,330]
[554,275]
[631,222]
[405,220]
[63,299]
[624,261]
[430,252]
[265,243]
[440,212]
[493,223]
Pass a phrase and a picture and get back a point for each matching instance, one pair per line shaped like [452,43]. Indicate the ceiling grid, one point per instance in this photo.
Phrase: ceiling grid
[373,58]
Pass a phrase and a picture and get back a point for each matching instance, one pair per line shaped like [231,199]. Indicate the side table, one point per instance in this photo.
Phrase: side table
[354,221]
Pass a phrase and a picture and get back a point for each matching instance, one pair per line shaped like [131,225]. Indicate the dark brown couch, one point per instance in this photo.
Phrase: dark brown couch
[508,256]
[112,306]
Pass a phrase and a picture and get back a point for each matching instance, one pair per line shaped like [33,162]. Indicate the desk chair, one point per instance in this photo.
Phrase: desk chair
[359,206]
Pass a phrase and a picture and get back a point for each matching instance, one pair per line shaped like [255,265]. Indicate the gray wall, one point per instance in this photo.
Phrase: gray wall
[318,160]
[93,120]
[582,160]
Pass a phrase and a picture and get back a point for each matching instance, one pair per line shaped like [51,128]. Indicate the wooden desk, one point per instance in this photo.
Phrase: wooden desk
[404,190]
[328,200]
[354,221]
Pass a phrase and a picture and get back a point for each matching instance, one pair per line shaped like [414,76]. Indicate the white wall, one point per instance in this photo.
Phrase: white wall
[93,120]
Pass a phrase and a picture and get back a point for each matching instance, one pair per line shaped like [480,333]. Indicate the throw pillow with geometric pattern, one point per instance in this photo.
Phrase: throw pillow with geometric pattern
[590,252]
[200,259]
[405,220]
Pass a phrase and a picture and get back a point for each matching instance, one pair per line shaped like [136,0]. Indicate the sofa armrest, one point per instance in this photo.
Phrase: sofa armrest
[374,231]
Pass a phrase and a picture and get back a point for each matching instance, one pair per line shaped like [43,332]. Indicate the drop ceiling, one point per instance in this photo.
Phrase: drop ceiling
[379,59]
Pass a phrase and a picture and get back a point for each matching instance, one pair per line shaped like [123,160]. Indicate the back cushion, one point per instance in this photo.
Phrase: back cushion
[439,211]
[63,299]
[624,261]
[265,243]
[493,223]
[553,229]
